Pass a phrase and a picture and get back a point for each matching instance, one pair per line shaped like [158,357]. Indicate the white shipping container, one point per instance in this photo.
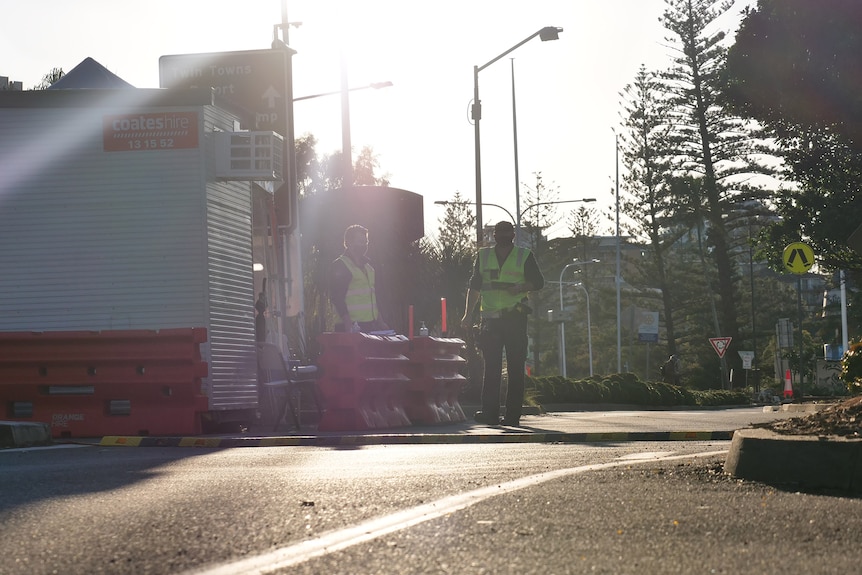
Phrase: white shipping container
[112,218]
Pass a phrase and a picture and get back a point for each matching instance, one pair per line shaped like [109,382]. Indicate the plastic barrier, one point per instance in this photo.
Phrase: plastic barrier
[362,381]
[435,380]
[89,384]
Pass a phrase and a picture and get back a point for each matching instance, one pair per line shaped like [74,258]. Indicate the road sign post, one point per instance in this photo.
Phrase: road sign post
[798,259]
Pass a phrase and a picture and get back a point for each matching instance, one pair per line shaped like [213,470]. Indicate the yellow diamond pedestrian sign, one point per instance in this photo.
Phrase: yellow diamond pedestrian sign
[798,258]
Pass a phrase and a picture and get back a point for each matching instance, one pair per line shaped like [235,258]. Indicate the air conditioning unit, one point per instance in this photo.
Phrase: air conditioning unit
[249,156]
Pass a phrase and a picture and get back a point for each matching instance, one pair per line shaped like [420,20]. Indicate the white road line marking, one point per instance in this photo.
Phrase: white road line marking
[350,536]
[646,455]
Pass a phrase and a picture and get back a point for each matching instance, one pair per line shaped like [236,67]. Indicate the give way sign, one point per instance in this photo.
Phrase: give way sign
[720,344]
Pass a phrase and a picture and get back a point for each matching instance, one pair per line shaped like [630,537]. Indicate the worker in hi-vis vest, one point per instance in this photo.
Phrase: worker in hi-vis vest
[351,285]
[503,275]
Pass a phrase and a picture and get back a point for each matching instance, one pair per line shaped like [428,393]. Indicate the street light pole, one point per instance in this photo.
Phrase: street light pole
[477,115]
[563,321]
[617,275]
[515,136]
[288,291]
[589,328]
[545,34]
[346,146]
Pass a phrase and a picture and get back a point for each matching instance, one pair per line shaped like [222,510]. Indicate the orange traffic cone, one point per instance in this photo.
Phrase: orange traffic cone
[788,385]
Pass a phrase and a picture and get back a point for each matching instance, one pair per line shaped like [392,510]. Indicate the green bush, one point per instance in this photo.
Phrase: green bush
[851,367]
[626,388]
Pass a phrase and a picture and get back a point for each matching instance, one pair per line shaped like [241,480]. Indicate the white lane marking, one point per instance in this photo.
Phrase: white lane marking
[344,538]
[646,455]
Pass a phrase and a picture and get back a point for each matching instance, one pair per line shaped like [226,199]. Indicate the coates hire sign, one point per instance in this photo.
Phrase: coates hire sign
[140,132]
[253,80]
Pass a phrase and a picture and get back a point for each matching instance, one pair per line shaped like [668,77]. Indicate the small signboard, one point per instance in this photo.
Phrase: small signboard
[720,344]
[798,257]
[148,132]
[648,326]
[747,358]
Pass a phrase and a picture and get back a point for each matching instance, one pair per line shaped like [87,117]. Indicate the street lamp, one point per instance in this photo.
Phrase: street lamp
[545,34]
[563,322]
[448,203]
[511,217]
[528,208]
[374,85]
[537,204]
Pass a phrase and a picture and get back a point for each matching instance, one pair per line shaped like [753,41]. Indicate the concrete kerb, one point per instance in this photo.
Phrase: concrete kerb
[495,435]
[802,460]
[18,434]
[806,461]
[466,432]
[461,432]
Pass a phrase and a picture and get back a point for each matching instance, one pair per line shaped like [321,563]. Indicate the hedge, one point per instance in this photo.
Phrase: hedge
[628,389]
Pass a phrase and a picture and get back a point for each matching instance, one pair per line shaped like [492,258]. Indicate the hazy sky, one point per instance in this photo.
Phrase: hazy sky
[567,91]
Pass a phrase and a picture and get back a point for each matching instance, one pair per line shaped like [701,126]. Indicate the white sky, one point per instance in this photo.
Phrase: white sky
[567,91]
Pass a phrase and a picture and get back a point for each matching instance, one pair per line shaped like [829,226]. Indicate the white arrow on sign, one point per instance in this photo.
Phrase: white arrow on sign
[271,94]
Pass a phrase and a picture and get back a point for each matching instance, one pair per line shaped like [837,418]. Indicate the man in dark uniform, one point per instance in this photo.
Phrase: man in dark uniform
[503,276]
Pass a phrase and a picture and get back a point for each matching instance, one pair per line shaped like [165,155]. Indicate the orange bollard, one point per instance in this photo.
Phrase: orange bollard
[788,385]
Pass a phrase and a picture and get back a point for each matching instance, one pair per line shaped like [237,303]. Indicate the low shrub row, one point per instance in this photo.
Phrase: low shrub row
[625,388]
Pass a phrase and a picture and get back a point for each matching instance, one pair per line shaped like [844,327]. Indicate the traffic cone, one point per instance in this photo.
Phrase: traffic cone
[788,385]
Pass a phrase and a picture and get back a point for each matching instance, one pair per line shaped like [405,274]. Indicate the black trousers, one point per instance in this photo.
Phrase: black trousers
[509,333]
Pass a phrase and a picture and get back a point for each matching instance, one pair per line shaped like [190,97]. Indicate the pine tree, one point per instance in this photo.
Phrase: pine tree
[49,78]
[649,203]
[715,150]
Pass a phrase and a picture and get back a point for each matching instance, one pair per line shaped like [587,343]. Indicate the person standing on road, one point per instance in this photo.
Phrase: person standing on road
[670,370]
[352,287]
[503,276]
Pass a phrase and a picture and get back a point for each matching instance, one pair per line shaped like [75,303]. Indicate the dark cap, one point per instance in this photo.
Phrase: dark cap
[504,227]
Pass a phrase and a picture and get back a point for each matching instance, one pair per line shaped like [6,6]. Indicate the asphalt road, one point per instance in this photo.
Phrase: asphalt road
[472,508]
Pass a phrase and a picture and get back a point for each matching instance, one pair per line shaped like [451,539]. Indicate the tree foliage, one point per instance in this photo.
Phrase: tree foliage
[796,64]
[449,261]
[49,78]
[795,67]
[365,169]
[649,203]
[317,174]
[715,151]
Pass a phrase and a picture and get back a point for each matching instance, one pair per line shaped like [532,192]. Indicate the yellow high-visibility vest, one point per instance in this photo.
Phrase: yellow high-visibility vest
[361,300]
[496,280]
